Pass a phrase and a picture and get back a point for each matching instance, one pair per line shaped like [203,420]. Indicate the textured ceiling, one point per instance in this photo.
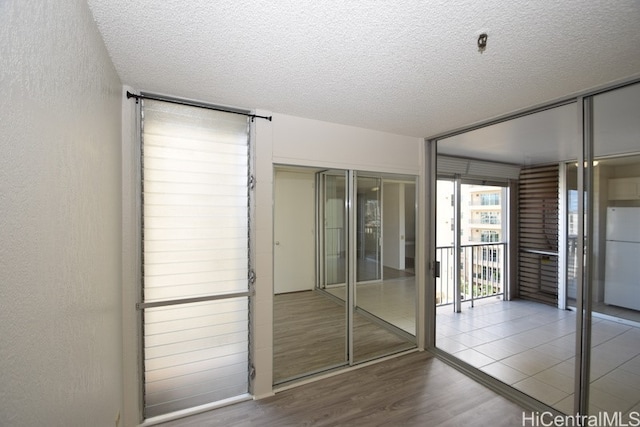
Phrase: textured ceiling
[407,67]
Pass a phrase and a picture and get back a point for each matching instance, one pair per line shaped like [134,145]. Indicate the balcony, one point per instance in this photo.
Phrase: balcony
[481,273]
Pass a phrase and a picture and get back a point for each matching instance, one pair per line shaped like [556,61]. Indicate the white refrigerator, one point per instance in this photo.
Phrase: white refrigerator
[622,268]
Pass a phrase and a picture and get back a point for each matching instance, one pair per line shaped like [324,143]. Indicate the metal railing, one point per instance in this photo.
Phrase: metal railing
[572,266]
[482,272]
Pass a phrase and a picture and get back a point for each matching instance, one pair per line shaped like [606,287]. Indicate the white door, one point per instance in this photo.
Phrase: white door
[294,233]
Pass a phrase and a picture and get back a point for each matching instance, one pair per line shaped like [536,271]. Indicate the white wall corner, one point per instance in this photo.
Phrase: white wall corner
[131,275]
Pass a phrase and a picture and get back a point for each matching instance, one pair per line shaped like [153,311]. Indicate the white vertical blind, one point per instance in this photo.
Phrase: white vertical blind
[195,243]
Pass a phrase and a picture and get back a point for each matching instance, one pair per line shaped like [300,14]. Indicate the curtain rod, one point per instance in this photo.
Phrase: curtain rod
[192,104]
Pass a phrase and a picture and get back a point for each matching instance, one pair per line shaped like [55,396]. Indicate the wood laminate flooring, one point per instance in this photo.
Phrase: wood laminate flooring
[411,390]
[310,335]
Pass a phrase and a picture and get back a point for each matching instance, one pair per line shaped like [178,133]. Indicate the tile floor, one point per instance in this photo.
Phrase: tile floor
[531,347]
[527,345]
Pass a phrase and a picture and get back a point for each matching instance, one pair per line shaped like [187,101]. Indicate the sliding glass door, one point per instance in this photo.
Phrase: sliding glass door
[569,335]
[613,295]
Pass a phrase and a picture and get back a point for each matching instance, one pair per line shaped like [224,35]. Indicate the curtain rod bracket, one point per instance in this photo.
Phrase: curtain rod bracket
[131,95]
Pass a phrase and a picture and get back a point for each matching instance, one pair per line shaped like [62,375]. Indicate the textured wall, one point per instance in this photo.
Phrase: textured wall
[60,209]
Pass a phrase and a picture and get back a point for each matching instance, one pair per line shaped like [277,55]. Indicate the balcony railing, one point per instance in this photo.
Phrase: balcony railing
[481,275]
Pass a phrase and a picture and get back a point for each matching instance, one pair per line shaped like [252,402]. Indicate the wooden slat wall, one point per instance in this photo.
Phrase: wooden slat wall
[538,231]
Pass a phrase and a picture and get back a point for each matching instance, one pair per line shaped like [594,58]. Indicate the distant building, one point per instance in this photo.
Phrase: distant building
[481,221]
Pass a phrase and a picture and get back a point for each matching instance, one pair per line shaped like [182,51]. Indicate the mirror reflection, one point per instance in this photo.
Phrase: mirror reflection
[526,337]
[499,241]
[314,252]
[310,326]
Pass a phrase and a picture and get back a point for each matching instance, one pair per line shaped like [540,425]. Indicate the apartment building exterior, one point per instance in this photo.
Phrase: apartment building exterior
[482,241]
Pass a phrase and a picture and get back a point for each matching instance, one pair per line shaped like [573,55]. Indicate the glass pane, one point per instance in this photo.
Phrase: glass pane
[445,229]
[195,243]
[310,313]
[195,202]
[483,243]
[195,354]
[334,231]
[615,327]
[520,339]
[385,293]
[571,219]
[368,229]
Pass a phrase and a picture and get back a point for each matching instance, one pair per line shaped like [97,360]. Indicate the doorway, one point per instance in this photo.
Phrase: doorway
[471,242]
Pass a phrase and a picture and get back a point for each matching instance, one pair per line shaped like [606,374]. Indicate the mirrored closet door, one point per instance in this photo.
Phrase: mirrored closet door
[344,276]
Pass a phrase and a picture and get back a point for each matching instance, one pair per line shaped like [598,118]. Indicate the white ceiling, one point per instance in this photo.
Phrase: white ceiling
[552,135]
[406,67]
[545,137]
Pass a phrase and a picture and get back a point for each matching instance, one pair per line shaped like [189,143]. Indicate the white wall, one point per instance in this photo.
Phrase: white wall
[60,218]
[307,142]
[131,260]
[393,228]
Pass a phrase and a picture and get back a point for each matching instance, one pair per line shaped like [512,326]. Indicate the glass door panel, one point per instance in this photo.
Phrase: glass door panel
[310,323]
[368,229]
[445,240]
[614,375]
[514,337]
[483,243]
[332,203]
[383,304]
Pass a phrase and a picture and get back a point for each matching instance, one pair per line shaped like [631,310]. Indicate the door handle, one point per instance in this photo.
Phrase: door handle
[277,243]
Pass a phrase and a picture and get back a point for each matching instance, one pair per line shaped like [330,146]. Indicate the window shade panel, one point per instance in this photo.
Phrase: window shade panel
[195,244]
[195,354]
[195,194]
